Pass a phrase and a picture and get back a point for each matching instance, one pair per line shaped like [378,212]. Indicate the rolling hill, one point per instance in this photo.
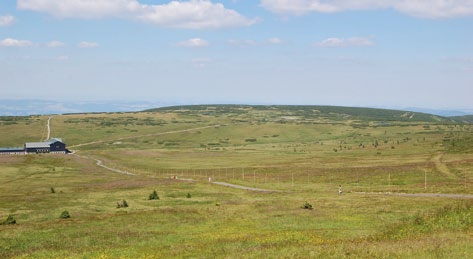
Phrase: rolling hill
[316,112]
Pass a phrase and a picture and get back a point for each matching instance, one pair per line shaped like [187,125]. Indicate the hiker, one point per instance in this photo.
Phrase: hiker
[340,189]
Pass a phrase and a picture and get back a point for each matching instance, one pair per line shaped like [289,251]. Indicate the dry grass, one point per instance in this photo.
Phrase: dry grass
[297,157]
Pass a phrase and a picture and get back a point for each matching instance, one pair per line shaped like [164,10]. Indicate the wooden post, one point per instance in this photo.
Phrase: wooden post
[425,180]
[465,181]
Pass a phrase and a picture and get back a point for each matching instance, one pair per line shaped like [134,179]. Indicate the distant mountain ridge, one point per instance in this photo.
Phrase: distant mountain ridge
[45,107]
[332,112]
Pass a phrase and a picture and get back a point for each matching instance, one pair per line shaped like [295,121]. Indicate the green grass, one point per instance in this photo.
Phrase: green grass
[303,153]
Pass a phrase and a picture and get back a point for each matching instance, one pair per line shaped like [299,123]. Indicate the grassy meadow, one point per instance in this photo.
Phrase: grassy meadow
[300,154]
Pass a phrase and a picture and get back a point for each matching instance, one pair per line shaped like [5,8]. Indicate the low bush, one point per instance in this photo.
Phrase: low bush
[307,206]
[65,215]
[122,204]
[9,221]
[153,196]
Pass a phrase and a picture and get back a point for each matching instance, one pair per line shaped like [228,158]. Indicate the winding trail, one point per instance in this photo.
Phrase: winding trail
[436,159]
[430,195]
[145,135]
[100,163]
[48,128]
[442,167]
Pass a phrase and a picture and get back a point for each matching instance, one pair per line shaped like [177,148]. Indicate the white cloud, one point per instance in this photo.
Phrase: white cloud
[193,43]
[87,45]
[191,14]
[55,44]
[275,41]
[86,9]
[6,20]
[417,8]
[348,42]
[9,42]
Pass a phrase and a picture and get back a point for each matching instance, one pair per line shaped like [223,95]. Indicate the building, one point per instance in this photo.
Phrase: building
[54,145]
[12,151]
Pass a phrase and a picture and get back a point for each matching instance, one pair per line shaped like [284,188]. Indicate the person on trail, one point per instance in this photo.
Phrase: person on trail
[340,189]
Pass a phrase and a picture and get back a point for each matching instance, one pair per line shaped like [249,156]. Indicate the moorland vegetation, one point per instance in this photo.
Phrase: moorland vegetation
[394,167]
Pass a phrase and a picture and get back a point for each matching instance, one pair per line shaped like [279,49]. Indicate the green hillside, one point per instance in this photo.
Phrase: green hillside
[313,112]
[406,177]
[464,119]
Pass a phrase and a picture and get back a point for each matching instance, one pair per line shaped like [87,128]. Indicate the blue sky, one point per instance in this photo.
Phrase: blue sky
[384,53]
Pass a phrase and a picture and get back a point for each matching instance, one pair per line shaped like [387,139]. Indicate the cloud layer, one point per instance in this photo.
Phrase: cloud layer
[348,42]
[87,45]
[192,14]
[193,43]
[6,20]
[9,42]
[417,8]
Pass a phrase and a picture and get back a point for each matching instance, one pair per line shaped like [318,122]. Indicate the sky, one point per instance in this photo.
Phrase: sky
[372,53]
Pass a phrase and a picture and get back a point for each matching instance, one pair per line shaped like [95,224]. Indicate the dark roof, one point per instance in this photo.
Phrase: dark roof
[6,149]
[44,144]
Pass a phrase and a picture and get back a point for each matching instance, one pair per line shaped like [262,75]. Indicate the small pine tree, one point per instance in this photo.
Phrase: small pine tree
[124,204]
[52,190]
[10,221]
[154,196]
[189,195]
[65,215]
[307,206]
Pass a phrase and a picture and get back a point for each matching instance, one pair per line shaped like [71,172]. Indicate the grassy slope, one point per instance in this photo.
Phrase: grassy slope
[305,153]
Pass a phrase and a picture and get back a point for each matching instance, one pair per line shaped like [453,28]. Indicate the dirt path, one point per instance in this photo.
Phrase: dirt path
[440,195]
[442,167]
[100,163]
[145,135]
[48,128]
[244,187]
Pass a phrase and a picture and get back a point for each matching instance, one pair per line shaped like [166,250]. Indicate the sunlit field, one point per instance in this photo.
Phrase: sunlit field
[385,162]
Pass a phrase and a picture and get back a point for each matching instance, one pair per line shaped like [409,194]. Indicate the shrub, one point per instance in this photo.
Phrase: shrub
[65,215]
[154,196]
[122,204]
[52,190]
[10,221]
[307,206]
[189,195]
